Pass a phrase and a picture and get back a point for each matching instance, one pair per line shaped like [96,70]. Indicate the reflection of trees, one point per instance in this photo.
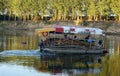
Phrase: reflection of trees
[16,42]
[2,43]
[113,44]
[20,60]
[52,64]
[56,64]
[1,46]
[118,47]
[111,66]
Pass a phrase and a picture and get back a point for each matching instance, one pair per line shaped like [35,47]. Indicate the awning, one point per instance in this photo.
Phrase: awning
[45,30]
[71,29]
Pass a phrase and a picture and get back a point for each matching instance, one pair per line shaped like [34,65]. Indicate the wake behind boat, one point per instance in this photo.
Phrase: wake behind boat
[71,39]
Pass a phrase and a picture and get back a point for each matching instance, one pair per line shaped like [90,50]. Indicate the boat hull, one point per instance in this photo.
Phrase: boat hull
[74,51]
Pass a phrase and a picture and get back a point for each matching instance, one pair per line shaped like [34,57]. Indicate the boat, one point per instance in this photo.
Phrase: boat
[71,40]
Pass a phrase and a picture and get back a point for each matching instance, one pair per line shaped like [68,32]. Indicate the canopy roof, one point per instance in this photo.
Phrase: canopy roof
[72,29]
[45,30]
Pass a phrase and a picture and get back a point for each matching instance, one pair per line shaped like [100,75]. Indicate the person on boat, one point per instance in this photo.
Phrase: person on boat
[47,41]
[74,38]
[65,36]
[42,44]
[100,42]
[66,39]
[89,39]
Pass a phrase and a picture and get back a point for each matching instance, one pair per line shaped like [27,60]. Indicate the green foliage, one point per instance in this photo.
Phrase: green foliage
[60,9]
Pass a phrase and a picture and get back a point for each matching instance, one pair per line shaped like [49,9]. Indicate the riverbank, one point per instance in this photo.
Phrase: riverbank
[110,27]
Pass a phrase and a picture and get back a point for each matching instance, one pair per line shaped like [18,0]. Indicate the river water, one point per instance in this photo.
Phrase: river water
[20,56]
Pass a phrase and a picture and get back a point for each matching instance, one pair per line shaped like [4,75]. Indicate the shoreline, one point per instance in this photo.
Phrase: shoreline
[109,28]
[112,33]
[33,31]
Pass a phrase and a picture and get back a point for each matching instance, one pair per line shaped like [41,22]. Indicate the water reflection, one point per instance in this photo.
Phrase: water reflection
[57,65]
[113,44]
[70,64]
[13,42]
[17,70]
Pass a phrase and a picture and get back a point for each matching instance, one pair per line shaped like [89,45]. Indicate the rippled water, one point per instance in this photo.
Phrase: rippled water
[50,65]
[20,56]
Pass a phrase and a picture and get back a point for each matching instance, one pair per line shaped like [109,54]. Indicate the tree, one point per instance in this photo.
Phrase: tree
[3,7]
[60,9]
[14,8]
[115,7]
[91,11]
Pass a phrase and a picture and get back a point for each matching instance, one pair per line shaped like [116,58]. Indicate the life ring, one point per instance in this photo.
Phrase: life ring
[45,34]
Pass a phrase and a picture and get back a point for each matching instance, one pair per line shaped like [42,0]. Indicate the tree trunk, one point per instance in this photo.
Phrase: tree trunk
[15,17]
[59,15]
[56,15]
[96,18]
[107,17]
[28,18]
[73,13]
[64,15]
[119,17]
[35,17]
[20,17]
[9,15]
[24,17]
[100,17]
[4,17]
[80,18]
[89,18]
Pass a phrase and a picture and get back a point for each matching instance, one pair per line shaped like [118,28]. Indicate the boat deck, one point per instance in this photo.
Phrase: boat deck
[73,46]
